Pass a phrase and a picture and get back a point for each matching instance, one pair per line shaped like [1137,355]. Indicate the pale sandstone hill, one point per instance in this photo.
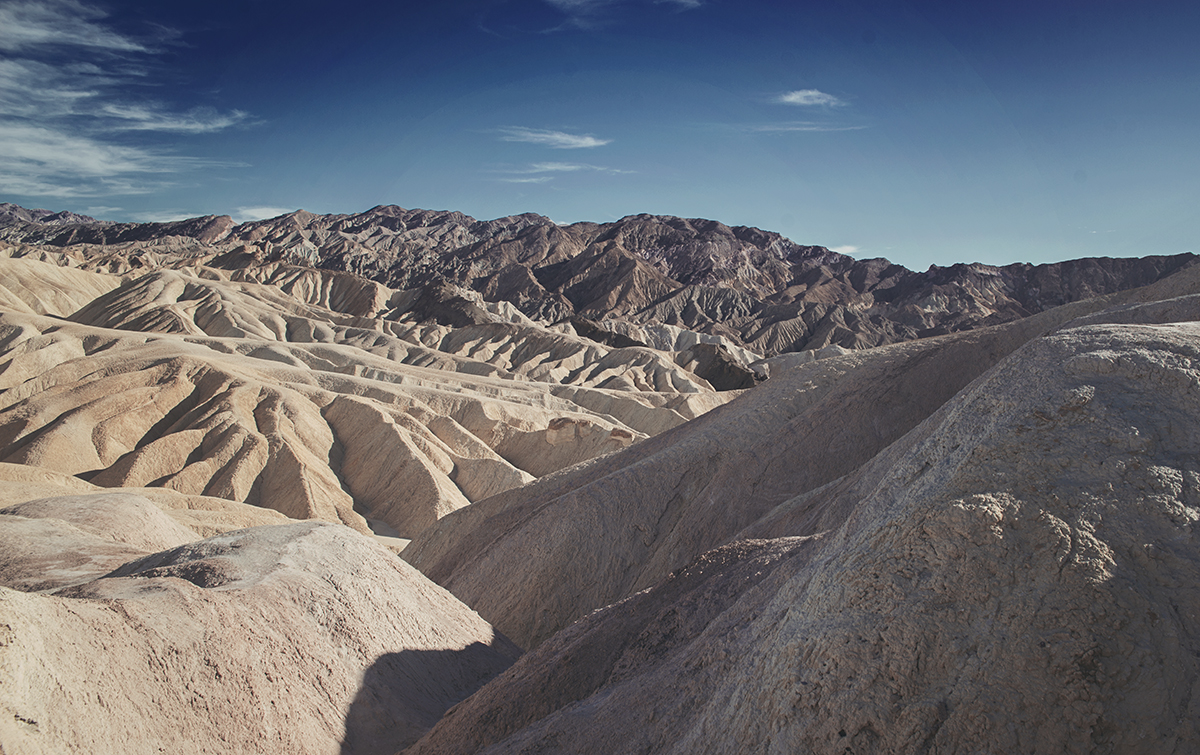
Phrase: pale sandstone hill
[831,561]
[239,390]
[1017,574]
[201,515]
[286,427]
[299,638]
[533,560]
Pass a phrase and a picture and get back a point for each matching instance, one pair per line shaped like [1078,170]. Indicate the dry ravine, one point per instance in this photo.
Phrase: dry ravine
[405,481]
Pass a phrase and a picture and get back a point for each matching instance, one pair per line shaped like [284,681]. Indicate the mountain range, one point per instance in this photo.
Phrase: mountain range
[754,288]
[404,481]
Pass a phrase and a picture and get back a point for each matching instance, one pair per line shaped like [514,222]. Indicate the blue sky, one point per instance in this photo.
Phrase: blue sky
[926,132]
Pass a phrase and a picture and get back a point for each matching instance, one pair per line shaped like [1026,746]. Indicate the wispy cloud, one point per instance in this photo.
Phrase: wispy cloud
[153,117]
[565,168]
[166,216]
[29,24]
[38,161]
[66,79]
[808,98]
[847,249]
[589,14]
[247,214]
[552,139]
[540,173]
[791,126]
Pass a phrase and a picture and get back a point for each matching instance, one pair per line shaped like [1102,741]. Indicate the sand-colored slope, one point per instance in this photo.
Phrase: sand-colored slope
[534,560]
[198,302]
[300,638]
[1017,574]
[298,393]
[298,427]
[39,288]
[201,515]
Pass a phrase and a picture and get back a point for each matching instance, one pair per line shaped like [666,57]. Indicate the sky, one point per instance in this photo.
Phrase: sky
[923,131]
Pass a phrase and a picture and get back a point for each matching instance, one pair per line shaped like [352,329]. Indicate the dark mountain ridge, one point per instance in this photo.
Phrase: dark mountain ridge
[757,288]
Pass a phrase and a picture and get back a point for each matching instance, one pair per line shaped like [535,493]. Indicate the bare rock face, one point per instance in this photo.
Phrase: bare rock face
[977,537]
[257,393]
[198,515]
[669,499]
[1018,573]
[303,638]
[753,288]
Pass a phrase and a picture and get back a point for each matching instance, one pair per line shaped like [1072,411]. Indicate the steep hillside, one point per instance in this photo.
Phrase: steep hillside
[753,288]
[183,380]
[666,501]
[1016,574]
[728,493]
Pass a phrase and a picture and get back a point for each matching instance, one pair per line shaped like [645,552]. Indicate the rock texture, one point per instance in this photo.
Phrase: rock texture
[1018,573]
[237,390]
[201,515]
[663,455]
[304,638]
[751,288]
[600,532]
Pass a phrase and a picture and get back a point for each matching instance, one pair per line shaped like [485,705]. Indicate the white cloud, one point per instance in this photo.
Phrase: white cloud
[66,88]
[563,168]
[39,23]
[150,117]
[101,211]
[166,216]
[555,168]
[552,139]
[808,98]
[247,214]
[847,249]
[811,126]
[588,14]
[38,161]
[536,173]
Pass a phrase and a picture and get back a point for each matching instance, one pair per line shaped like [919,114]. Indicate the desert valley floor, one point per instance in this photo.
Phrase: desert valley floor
[405,481]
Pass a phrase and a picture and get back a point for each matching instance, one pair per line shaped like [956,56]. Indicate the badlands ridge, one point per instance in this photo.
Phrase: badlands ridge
[407,481]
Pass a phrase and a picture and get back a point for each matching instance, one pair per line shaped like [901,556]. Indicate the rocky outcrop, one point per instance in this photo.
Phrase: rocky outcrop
[976,539]
[669,499]
[239,390]
[304,637]
[1016,573]
[753,288]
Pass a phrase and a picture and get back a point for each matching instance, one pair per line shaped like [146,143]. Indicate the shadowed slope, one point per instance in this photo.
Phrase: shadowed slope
[534,560]
[265,640]
[1018,573]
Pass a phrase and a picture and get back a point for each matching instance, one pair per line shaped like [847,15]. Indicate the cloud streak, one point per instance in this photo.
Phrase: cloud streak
[808,98]
[247,214]
[552,139]
[802,126]
[589,14]
[65,83]
[40,161]
[540,173]
[33,24]
[143,117]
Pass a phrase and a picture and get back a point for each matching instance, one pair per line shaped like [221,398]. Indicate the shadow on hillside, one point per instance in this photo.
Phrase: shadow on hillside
[403,695]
